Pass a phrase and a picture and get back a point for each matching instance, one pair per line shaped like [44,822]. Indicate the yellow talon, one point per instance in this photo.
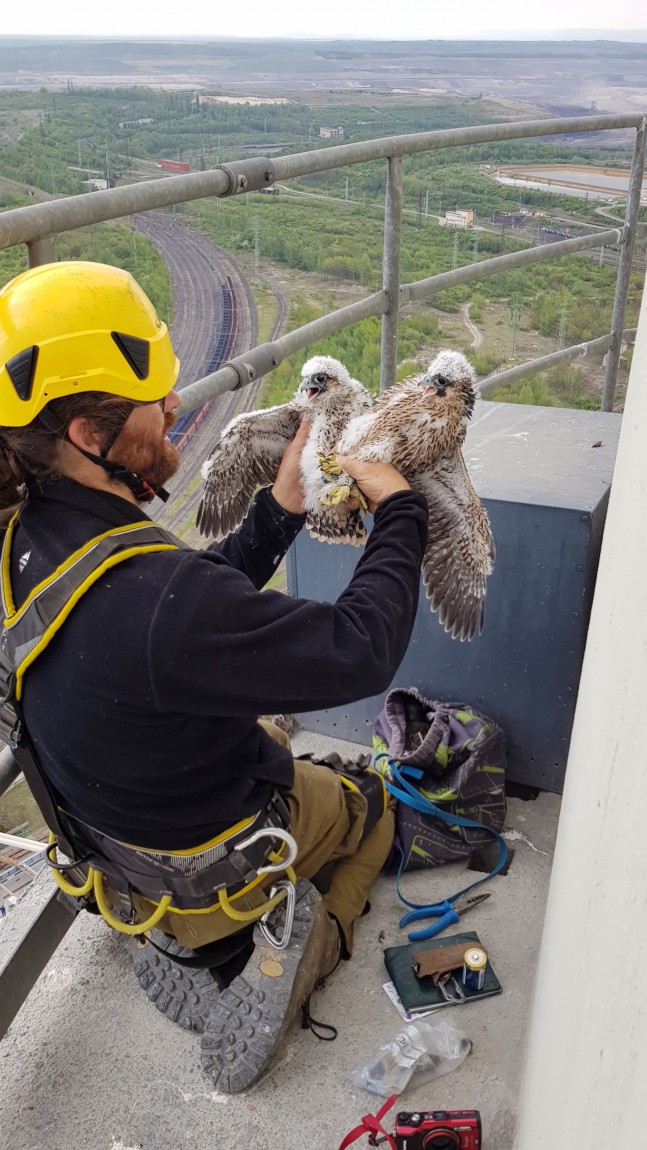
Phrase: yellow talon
[340,494]
[360,497]
[329,465]
[334,495]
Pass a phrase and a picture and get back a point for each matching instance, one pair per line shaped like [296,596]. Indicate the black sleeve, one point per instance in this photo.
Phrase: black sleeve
[240,652]
[261,540]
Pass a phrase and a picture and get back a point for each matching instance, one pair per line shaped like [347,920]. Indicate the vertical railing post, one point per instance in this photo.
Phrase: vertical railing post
[391,272]
[624,268]
[41,252]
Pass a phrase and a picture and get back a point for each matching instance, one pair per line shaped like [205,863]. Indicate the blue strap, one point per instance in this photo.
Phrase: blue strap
[407,793]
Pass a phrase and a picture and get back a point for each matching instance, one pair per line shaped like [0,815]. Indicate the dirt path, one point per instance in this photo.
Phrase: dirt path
[477,336]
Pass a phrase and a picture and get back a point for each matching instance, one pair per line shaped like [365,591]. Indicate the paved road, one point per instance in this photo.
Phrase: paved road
[477,336]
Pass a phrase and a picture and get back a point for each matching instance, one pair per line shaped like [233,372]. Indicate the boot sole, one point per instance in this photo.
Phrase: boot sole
[185,995]
[249,1020]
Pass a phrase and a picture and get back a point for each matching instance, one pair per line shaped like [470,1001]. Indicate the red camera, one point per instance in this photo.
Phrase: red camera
[438,1130]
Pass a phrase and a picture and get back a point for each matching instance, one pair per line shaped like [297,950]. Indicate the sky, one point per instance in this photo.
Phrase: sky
[411,20]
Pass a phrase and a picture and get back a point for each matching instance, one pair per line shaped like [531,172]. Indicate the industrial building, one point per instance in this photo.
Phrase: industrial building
[459,219]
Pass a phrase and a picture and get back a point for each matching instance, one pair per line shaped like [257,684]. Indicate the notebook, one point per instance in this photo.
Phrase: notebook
[420,994]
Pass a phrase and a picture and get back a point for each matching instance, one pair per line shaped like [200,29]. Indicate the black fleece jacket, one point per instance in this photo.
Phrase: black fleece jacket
[143,707]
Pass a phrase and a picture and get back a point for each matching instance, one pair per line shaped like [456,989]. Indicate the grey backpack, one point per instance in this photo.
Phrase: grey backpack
[445,763]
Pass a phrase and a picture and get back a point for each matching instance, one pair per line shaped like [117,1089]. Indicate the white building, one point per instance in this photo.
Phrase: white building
[459,219]
[332,133]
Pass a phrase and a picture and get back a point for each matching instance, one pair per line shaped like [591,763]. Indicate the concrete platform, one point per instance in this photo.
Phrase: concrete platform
[89,1064]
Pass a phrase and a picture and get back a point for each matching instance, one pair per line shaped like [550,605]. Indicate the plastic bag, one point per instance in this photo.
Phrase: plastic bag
[422,1051]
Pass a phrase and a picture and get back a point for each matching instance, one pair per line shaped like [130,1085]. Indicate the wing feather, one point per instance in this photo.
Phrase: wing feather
[460,549]
[247,456]
[337,525]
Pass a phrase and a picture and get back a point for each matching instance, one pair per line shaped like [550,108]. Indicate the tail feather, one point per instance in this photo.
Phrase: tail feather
[337,525]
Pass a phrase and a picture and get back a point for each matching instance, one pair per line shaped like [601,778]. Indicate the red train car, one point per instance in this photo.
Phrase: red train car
[173,166]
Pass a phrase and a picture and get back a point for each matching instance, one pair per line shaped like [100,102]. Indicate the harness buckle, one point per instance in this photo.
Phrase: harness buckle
[280,943]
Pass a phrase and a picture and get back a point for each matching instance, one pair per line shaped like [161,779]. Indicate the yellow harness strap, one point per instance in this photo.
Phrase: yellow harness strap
[29,628]
[94,885]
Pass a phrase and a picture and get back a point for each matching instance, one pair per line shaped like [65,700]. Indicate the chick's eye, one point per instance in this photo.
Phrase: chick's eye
[320,377]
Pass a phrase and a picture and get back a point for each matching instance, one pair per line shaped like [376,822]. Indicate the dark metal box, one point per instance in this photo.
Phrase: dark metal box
[544,475]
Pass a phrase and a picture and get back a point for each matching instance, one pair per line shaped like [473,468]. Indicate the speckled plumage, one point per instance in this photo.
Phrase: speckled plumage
[419,426]
[251,447]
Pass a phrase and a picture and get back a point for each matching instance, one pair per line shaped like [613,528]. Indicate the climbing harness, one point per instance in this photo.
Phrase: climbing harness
[211,876]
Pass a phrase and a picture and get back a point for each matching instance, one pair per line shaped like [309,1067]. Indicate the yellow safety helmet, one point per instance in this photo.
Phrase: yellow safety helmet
[72,327]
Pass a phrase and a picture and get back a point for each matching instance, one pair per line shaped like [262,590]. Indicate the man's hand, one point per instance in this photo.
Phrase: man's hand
[287,489]
[376,481]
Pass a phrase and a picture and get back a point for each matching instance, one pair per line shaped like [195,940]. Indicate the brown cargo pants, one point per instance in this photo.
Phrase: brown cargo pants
[327,821]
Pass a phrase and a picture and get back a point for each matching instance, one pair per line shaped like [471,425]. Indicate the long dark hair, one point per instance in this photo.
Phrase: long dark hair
[33,452]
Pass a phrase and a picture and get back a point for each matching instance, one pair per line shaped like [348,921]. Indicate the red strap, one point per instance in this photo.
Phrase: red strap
[371,1124]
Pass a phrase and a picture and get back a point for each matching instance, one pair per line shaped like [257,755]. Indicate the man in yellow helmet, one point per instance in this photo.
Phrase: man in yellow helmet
[133,669]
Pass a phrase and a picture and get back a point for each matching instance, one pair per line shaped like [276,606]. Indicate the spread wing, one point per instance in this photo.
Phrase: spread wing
[247,456]
[460,550]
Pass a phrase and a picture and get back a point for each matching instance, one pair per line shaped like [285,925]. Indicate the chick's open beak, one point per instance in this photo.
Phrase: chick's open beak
[310,387]
[435,384]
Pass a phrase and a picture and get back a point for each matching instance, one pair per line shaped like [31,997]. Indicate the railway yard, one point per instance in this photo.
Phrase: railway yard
[214,320]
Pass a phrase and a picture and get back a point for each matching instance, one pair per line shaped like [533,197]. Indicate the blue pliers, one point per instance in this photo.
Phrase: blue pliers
[447,912]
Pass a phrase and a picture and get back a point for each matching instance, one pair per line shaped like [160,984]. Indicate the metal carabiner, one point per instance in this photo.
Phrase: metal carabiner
[272,833]
[290,903]
[443,986]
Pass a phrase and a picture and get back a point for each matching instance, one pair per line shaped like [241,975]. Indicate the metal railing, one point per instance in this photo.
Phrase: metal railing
[37,225]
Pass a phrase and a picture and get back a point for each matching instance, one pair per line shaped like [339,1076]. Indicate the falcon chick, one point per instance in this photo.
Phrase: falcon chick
[419,426]
[251,447]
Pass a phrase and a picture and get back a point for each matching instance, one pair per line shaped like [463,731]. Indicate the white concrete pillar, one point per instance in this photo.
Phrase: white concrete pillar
[585,1081]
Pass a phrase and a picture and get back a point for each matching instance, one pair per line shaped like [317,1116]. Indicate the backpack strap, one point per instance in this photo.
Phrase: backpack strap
[405,792]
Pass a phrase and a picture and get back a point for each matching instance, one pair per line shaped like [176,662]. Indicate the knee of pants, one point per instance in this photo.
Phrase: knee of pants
[276,733]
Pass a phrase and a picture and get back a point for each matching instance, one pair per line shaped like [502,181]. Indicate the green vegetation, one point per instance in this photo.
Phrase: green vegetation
[358,347]
[114,244]
[560,387]
[334,225]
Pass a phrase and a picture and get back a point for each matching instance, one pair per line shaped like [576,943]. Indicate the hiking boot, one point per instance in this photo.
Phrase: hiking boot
[183,994]
[246,1025]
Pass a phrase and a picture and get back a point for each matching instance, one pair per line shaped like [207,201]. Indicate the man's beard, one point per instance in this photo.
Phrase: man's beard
[151,457]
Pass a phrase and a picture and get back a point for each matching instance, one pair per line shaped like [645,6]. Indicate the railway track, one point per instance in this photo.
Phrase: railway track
[214,320]
[205,437]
